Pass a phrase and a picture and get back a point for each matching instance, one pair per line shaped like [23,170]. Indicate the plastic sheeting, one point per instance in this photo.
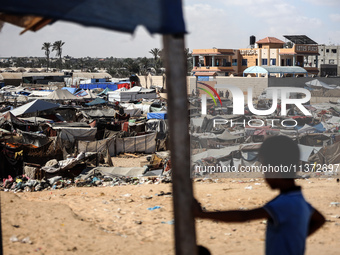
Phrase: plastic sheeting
[158,125]
[306,151]
[158,16]
[113,172]
[144,143]
[157,115]
[72,134]
[98,146]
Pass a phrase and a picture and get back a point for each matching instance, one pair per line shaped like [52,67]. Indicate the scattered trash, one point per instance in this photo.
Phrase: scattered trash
[14,239]
[249,187]
[335,204]
[154,208]
[170,222]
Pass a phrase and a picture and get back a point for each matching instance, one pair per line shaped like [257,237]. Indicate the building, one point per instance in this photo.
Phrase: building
[329,60]
[270,51]
[212,62]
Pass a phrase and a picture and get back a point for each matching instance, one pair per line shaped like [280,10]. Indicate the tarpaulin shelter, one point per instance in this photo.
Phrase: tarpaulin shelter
[62,94]
[97,101]
[158,16]
[89,94]
[105,91]
[34,106]
[320,84]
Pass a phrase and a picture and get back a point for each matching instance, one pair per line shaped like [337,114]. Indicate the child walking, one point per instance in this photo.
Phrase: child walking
[290,219]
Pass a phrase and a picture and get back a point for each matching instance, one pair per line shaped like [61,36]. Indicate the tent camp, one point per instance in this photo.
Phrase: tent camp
[34,106]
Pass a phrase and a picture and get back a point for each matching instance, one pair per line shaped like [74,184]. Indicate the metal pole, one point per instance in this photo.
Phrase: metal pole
[175,63]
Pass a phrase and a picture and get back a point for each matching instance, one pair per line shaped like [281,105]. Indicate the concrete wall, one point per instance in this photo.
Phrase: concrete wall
[159,81]
[258,84]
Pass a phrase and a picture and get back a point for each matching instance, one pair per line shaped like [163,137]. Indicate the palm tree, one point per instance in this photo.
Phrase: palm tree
[57,46]
[46,47]
[155,52]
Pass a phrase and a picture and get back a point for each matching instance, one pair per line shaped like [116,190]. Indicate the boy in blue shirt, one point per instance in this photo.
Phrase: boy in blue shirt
[290,219]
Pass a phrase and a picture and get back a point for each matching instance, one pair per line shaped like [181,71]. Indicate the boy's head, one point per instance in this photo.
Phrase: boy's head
[279,156]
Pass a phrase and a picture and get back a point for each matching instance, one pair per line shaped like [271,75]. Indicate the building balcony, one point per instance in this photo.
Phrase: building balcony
[213,69]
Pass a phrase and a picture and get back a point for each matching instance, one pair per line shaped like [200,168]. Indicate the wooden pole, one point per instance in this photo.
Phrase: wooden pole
[175,63]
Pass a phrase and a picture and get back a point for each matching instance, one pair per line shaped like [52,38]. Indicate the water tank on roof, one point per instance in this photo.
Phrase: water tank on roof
[252,40]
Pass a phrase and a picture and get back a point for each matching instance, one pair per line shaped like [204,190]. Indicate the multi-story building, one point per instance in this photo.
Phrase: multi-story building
[329,60]
[269,51]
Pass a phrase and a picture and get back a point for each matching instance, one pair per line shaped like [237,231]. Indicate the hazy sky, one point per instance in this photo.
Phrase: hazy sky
[215,23]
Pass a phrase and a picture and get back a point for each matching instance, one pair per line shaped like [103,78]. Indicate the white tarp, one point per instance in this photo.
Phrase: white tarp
[62,94]
[306,151]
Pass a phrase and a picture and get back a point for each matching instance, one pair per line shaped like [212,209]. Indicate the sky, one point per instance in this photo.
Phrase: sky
[225,24]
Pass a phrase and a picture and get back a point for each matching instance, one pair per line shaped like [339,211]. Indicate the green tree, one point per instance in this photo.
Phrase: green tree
[46,47]
[155,52]
[58,47]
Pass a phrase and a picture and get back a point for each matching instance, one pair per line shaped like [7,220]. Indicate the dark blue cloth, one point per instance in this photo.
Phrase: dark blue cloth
[158,16]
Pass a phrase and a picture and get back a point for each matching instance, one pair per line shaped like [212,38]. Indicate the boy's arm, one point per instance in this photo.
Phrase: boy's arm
[316,221]
[231,216]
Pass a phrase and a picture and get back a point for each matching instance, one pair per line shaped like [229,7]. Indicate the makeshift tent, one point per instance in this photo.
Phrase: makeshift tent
[105,91]
[327,155]
[306,151]
[69,89]
[71,134]
[61,94]
[158,125]
[99,146]
[34,106]
[320,84]
[134,93]
[226,136]
[143,143]
[106,113]
[89,94]
[97,101]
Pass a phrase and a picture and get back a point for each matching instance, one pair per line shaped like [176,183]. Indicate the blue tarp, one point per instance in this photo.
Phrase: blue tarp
[158,16]
[203,78]
[112,86]
[157,115]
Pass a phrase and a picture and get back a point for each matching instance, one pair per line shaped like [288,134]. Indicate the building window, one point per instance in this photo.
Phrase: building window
[234,62]
[273,61]
[331,61]
[244,62]
[264,62]
[327,50]
[333,50]
[289,62]
[321,49]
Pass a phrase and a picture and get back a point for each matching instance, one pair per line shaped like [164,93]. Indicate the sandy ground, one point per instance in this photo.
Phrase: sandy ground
[116,220]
